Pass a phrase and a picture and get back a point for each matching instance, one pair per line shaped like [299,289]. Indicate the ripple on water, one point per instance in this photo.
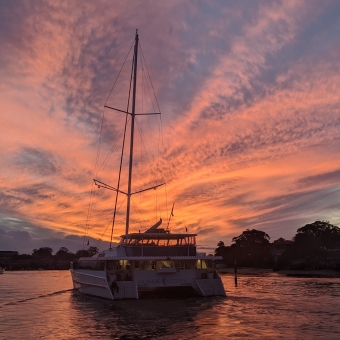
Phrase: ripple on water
[41,305]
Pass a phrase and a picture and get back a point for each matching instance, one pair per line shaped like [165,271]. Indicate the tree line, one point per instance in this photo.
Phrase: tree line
[43,258]
[314,246]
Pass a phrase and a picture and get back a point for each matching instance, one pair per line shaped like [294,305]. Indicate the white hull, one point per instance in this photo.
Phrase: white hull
[92,283]
[97,283]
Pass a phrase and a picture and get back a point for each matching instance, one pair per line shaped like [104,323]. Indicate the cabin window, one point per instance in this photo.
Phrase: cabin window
[148,242]
[165,264]
[180,264]
[127,241]
[118,265]
[124,264]
[191,240]
[139,265]
[163,242]
[189,264]
[112,265]
[203,264]
[149,265]
[173,242]
[133,242]
[198,264]
[152,242]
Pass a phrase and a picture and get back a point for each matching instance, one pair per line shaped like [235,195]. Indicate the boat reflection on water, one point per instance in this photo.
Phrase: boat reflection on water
[167,316]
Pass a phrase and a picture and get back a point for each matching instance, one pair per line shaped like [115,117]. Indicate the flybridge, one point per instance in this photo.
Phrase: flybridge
[159,244]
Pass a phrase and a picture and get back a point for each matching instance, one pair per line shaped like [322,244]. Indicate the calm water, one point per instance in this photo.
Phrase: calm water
[42,305]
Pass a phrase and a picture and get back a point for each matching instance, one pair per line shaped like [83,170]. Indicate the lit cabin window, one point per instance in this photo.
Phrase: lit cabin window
[165,264]
[124,264]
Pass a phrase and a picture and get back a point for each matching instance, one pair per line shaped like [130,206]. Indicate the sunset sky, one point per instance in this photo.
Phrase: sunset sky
[249,95]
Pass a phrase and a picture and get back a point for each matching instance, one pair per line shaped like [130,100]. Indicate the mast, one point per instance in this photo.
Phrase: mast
[132,132]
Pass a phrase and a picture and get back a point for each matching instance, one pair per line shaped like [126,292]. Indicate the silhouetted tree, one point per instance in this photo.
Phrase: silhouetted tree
[252,248]
[311,245]
[251,237]
[320,234]
[87,252]
[64,254]
[280,240]
[222,250]
[43,252]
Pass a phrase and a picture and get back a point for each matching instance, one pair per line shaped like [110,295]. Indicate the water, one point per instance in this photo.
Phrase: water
[42,305]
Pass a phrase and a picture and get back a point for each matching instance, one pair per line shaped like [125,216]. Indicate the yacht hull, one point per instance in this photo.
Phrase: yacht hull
[91,283]
[101,284]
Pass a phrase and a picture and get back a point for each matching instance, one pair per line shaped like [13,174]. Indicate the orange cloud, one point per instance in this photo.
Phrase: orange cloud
[250,118]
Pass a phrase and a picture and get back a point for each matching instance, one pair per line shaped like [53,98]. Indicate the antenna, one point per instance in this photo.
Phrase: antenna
[171,214]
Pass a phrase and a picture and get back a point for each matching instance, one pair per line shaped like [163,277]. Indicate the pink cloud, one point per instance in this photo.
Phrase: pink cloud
[250,121]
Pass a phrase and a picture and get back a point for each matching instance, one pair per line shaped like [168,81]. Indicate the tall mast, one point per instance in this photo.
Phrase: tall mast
[132,131]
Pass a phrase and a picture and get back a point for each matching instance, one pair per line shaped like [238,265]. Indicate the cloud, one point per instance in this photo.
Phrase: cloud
[24,243]
[323,179]
[38,162]
[250,115]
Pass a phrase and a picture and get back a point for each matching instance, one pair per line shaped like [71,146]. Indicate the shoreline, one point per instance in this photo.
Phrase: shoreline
[241,271]
[289,272]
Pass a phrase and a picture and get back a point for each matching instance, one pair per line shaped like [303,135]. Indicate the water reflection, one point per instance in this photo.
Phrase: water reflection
[146,318]
[42,306]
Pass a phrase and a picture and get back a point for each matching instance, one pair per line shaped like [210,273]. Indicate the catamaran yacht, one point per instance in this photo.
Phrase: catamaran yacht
[152,259]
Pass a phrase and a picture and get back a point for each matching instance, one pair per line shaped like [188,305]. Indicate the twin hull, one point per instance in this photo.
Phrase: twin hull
[100,283]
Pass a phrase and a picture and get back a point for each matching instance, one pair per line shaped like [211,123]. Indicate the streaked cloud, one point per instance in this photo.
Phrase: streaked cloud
[250,99]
